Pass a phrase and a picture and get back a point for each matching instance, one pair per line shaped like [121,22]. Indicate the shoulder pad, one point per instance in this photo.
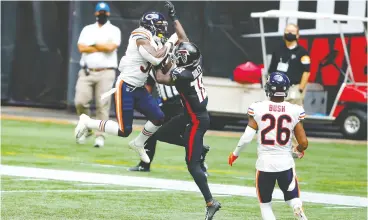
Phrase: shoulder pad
[141,33]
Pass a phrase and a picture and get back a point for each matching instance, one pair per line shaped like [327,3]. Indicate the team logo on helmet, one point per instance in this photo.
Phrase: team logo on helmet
[183,55]
[151,16]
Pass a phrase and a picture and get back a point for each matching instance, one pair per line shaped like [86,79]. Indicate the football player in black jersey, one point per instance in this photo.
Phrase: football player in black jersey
[187,78]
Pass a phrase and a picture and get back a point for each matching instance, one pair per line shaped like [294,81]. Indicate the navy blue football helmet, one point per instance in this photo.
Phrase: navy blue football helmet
[277,84]
[155,22]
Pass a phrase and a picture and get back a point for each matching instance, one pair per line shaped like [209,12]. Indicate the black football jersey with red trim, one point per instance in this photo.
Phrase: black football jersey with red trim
[189,83]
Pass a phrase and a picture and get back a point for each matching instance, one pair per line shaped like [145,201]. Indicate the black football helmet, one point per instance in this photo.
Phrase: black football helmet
[155,22]
[186,54]
[277,84]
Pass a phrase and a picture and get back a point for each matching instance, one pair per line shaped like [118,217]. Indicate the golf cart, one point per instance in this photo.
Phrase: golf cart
[349,109]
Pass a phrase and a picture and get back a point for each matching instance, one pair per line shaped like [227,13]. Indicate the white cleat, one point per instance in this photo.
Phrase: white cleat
[81,131]
[140,150]
[299,213]
[99,141]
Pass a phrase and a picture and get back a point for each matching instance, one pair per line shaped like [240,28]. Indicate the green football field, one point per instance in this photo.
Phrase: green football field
[339,169]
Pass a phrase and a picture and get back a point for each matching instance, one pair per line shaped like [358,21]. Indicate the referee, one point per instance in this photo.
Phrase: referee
[170,104]
[294,61]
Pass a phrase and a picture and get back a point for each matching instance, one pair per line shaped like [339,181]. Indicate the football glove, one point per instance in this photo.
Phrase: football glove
[296,154]
[232,158]
[172,12]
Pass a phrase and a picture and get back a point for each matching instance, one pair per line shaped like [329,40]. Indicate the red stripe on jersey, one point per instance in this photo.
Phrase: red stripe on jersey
[195,125]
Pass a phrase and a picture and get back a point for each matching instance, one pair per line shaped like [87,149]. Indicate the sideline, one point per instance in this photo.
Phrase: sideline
[140,127]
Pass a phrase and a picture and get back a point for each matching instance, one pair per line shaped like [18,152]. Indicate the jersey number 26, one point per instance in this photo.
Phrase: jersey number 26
[278,124]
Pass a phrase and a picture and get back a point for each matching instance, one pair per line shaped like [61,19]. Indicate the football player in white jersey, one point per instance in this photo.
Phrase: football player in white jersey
[130,93]
[276,121]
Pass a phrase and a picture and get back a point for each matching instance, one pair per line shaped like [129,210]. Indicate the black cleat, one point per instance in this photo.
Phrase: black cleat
[203,165]
[139,169]
[211,210]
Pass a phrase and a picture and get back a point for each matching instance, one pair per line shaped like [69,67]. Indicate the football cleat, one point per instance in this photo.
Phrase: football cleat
[140,151]
[139,168]
[81,130]
[212,209]
[299,213]
[99,141]
[82,140]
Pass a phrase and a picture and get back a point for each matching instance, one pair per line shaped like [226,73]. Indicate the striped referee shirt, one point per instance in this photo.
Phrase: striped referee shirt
[164,91]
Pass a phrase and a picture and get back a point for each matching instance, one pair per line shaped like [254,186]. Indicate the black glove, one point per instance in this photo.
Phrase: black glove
[172,12]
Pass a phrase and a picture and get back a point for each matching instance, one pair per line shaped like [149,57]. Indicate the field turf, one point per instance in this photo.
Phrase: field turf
[326,168]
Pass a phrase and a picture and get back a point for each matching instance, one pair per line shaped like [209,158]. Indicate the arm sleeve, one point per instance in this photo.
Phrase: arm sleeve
[149,57]
[245,139]
[180,74]
[305,61]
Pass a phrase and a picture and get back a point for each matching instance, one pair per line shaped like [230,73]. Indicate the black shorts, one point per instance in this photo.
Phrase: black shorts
[287,181]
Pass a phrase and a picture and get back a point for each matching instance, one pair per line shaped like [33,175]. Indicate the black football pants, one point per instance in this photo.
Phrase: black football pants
[167,134]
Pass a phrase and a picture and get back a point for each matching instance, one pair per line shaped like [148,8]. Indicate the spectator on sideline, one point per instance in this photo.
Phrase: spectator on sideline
[98,45]
[294,61]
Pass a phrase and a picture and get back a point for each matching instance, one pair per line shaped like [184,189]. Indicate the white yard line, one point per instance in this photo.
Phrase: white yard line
[29,179]
[172,184]
[99,165]
[82,191]
[341,207]
[92,184]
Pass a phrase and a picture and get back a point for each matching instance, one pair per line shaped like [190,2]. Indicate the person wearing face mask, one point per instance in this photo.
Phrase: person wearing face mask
[98,45]
[294,61]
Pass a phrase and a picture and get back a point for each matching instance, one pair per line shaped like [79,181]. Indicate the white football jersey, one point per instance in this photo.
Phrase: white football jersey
[276,122]
[132,65]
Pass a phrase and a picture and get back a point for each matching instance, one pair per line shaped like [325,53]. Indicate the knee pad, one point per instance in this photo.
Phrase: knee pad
[126,132]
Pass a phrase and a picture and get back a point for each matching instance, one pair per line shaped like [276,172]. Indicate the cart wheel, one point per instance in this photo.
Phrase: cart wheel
[354,124]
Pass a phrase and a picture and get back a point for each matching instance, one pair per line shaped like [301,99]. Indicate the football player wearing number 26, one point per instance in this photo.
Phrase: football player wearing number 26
[275,120]
[187,78]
